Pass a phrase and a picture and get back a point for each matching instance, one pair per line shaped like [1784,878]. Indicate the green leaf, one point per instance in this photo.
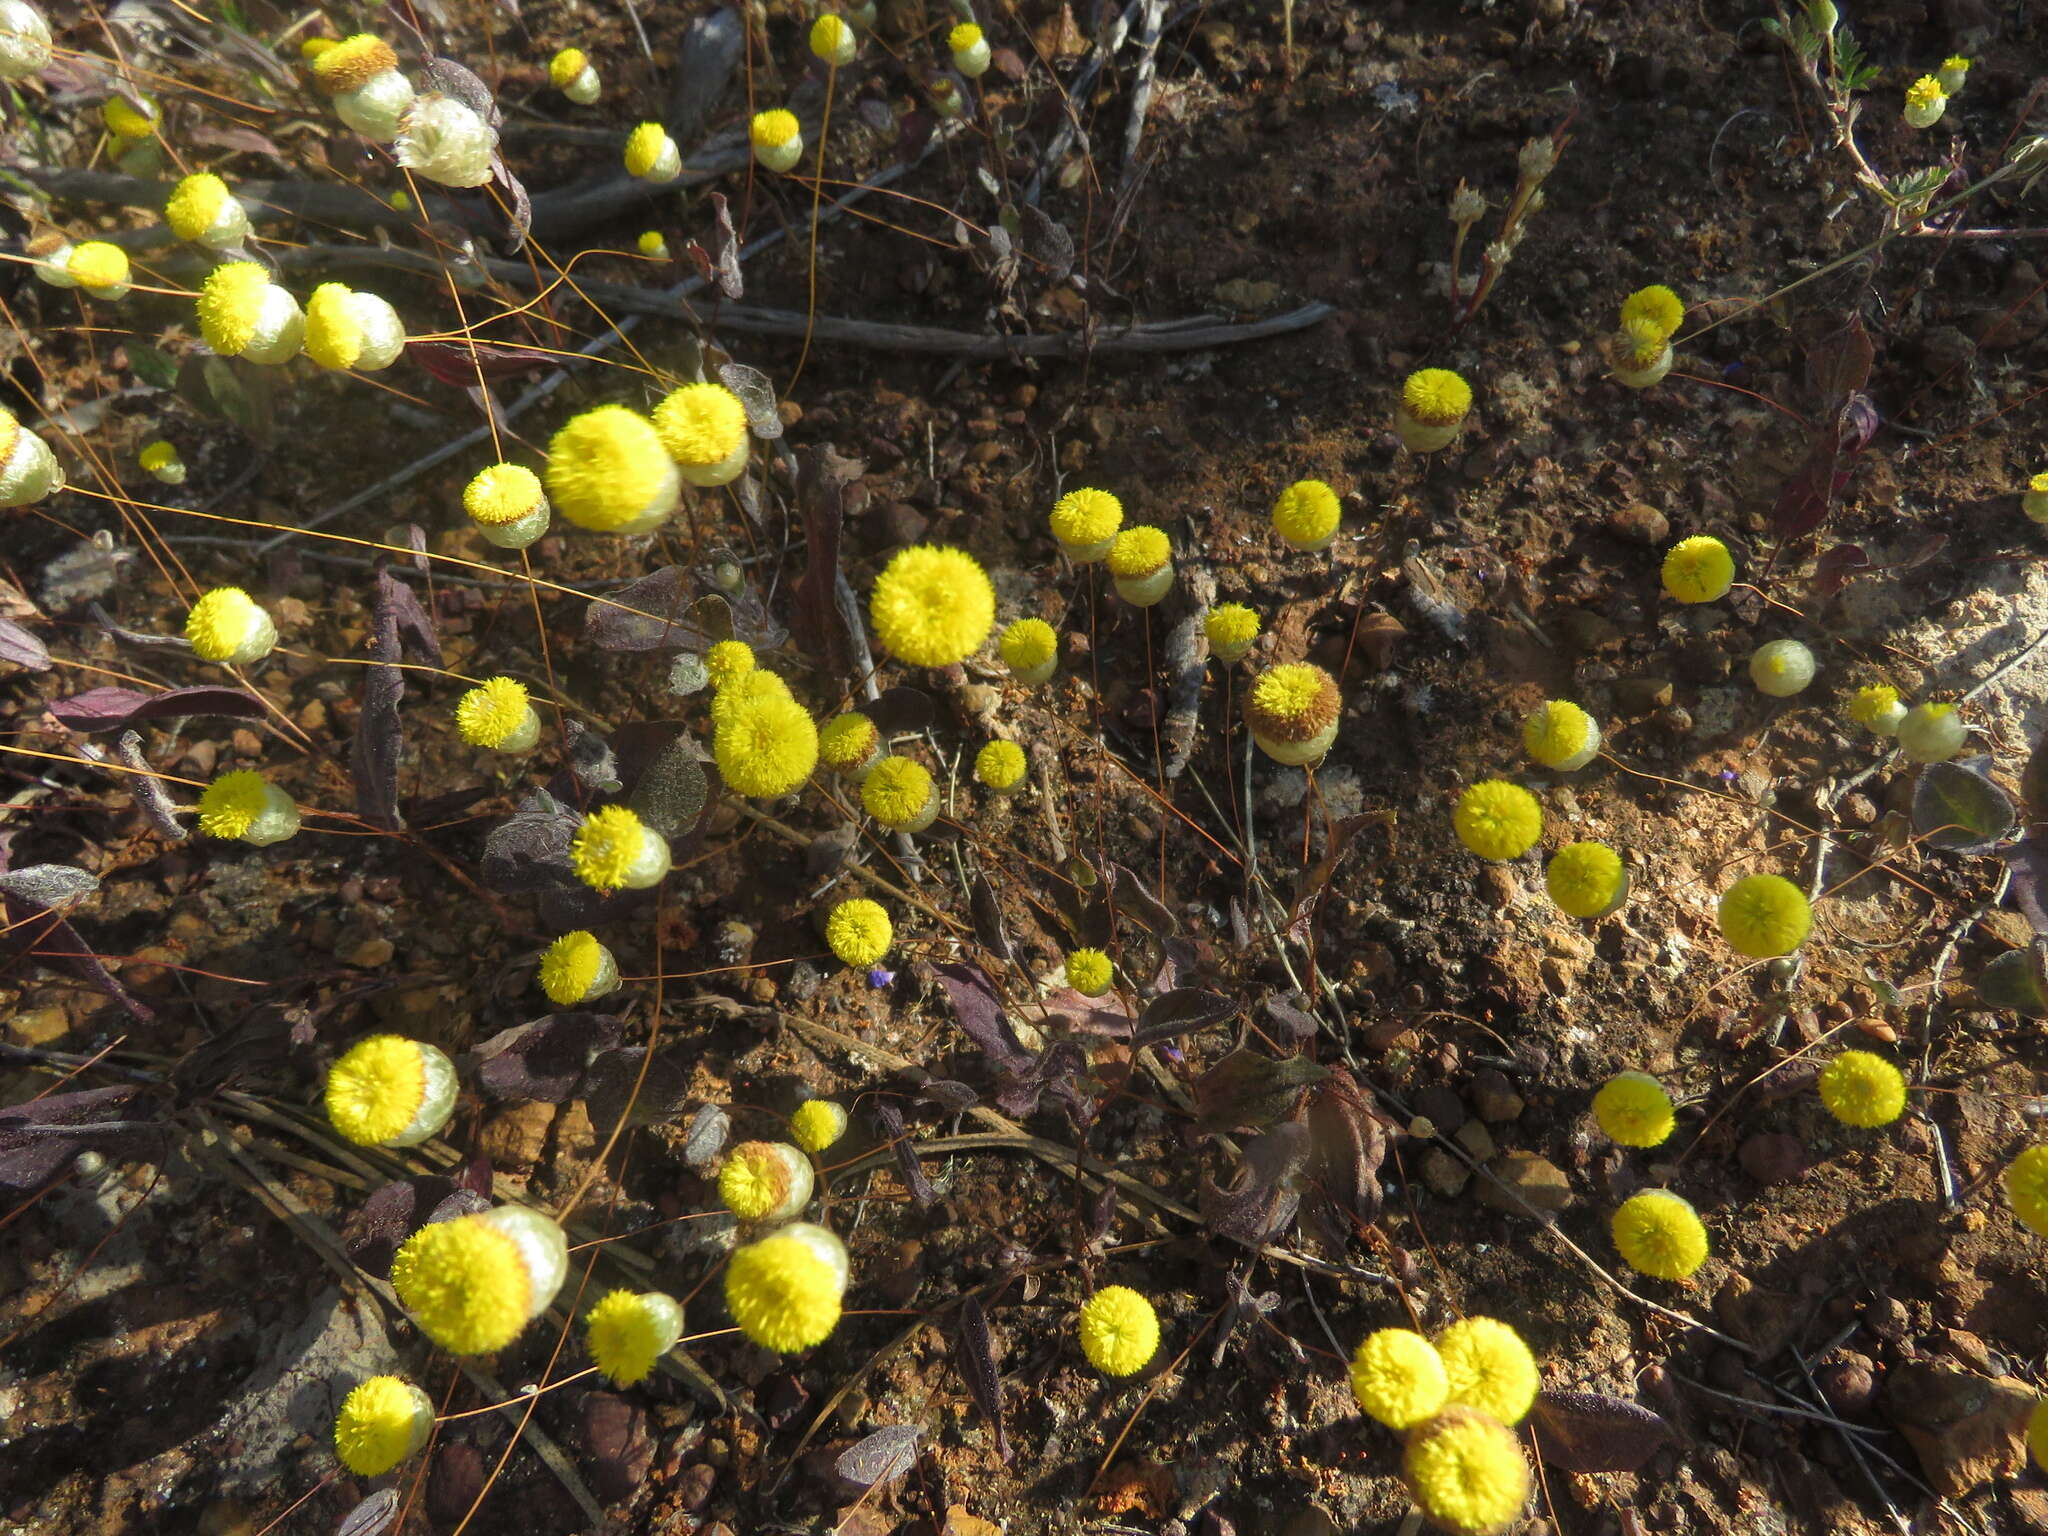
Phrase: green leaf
[1248,1091]
[154,366]
[1956,806]
[2014,983]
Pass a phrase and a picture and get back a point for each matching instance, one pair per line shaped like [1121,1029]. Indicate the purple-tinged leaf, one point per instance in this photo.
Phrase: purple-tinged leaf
[2028,860]
[49,885]
[520,216]
[391,1214]
[882,1457]
[618,1451]
[136,637]
[953,1097]
[1809,496]
[1265,1192]
[988,918]
[980,1015]
[589,760]
[115,709]
[1838,358]
[1294,1024]
[1347,1145]
[2017,981]
[974,1350]
[658,612]
[39,1138]
[459,1203]
[411,624]
[374,1516]
[1957,807]
[1182,1011]
[529,851]
[1250,1091]
[22,648]
[142,782]
[1133,897]
[43,935]
[456,80]
[609,1081]
[815,618]
[543,1059]
[1593,1432]
[1833,570]
[672,793]
[710,1129]
[725,261]
[919,1186]
[379,743]
[457,365]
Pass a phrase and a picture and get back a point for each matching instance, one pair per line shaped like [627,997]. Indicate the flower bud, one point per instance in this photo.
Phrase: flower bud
[24,40]
[28,470]
[446,141]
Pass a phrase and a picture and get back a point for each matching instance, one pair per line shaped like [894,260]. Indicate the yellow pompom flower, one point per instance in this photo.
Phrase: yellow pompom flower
[1231,628]
[28,470]
[1307,515]
[242,313]
[777,138]
[1000,766]
[1398,1378]
[1656,307]
[849,743]
[161,459]
[383,1421]
[577,969]
[498,714]
[745,689]
[229,626]
[1561,735]
[474,1283]
[1467,1472]
[202,209]
[1141,563]
[352,63]
[1586,880]
[859,932]
[970,50]
[1085,523]
[629,1330]
[100,268]
[784,1290]
[1764,916]
[1119,1331]
[2026,1186]
[765,1181]
[1489,1368]
[651,155]
[766,747]
[1862,1089]
[1634,1110]
[1434,404]
[1954,71]
[608,472]
[571,72]
[728,660]
[1659,1235]
[1698,569]
[1089,972]
[1497,820]
[704,429]
[652,244]
[388,1091]
[127,119]
[832,40]
[1877,708]
[932,606]
[817,1125]
[1294,710]
[899,793]
[1925,102]
[243,806]
[1030,649]
[348,329]
[507,504]
[613,849]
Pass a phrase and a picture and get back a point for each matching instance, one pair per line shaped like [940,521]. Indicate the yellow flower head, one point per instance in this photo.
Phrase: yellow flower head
[859,932]
[784,1290]
[744,689]
[1467,1472]
[1119,1331]
[311,48]
[353,63]
[1498,820]
[1862,1089]
[97,264]
[376,1087]
[1028,645]
[1294,701]
[129,120]
[160,454]
[646,147]
[1868,706]
[1660,1235]
[629,1330]
[766,747]
[564,67]
[467,1282]
[727,660]
[1089,972]
[652,245]
[606,846]
[1764,916]
[229,806]
[501,494]
[1642,343]
[231,304]
[1139,552]
[1955,69]
[701,424]
[1398,1377]
[1561,735]
[817,1125]
[382,1422]
[1000,765]
[1231,628]
[1661,310]
[194,204]
[1436,396]
[933,606]
[334,332]
[492,713]
[772,130]
[1586,880]
[832,38]
[570,967]
[1086,517]
[896,791]
[607,469]
[2026,1186]
[1634,1110]
[962,37]
[1698,569]
[219,622]
[1925,102]
[756,1178]
[1489,1368]
[1307,514]
[847,741]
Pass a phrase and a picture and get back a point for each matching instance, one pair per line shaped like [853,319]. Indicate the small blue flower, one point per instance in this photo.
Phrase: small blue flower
[877,977]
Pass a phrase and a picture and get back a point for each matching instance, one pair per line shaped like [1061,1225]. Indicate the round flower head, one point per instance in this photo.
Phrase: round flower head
[756,685]
[1638,355]
[969,49]
[1000,766]
[100,268]
[571,73]
[1561,735]
[1141,562]
[388,1091]
[727,660]
[1119,1331]
[1467,1472]
[28,470]
[1781,668]
[932,606]
[1293,710]
[445,140]
[817,1125]
[859,932]
[609,473]
[1764,916]
[614,849]
[242,313]
[370,92]
[849,743]
[1634,1110]
[1085,522]
[1089,972]
[1586,880]
[577,969]
[1398,1377]
[1932,733]
[832,40]
[765,1181]
[507,504]
[1489,1368]
[778,139]
[652,244]
[1925,102]
[161,459]
[474,1283]
[127,119]
[24,40]
[383,1421]
[629,1330]
[766,747]
[899,793]
[497,714]
[1031,650]
[1498,820]
[1877,708]
[227,625]
[1434,404]
[1698,569]
[784,1290]
[1955,69]
[1231,628]
[704,429]
[352,63]
[1307,514]
[1659,1235]
[244,806]
[2034,501]
[1656,307]
[651,155]
[202,210]
[346,329]
[2026,1186]
[1862,1089]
